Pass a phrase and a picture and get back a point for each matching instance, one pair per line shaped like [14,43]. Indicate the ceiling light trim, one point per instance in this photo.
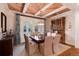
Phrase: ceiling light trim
[44,8]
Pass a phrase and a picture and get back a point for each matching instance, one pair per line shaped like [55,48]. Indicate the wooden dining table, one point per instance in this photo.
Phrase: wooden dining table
[37,40]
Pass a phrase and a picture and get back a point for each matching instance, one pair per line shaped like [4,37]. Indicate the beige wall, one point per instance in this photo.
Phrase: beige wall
[77,27]
[10,16]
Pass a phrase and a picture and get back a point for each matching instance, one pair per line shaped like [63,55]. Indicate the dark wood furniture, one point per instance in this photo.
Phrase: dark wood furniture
[59,25]
[6,46]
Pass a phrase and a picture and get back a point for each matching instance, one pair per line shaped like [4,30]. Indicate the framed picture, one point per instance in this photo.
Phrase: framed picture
[3,22]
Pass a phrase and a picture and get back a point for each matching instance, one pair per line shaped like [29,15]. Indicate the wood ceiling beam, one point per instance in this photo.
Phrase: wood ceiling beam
[44,8]
[21,14]
[61,8]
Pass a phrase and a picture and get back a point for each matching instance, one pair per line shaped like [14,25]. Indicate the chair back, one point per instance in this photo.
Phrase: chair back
[56,42]
[48,50]
[26,38]
[26,43]
[57,39]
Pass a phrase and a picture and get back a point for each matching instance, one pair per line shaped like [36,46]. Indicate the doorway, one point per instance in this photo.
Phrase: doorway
[26,25]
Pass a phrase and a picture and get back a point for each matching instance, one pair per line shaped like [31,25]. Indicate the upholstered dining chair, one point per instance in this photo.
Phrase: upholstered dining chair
[46,47]
[26,43]
[30,46]
[56,42]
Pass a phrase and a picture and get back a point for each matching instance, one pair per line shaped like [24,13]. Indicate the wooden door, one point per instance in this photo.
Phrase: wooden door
[59,25]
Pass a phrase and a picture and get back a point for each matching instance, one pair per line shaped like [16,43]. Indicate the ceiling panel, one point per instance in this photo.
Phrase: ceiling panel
[59,12]
[16,6]
[35,7]
[50,9]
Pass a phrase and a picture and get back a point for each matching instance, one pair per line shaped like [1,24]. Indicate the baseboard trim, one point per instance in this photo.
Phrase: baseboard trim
[68,44]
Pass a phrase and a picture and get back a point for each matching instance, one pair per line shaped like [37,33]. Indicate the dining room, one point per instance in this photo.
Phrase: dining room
[35,39]
[41,29]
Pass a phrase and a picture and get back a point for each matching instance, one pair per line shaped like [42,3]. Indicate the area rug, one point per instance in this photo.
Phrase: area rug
[61,49]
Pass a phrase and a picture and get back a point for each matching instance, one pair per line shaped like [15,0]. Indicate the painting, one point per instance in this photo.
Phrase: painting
[3,22]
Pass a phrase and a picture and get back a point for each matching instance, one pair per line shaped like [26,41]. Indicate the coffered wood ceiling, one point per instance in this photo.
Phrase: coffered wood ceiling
[38,9]
[59,12]
[35,7]
[16,6]
[50,9]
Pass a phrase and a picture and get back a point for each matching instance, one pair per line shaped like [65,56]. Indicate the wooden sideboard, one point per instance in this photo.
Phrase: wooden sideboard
[6,46]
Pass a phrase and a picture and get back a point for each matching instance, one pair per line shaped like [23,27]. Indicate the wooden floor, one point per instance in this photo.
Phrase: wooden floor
[70,52]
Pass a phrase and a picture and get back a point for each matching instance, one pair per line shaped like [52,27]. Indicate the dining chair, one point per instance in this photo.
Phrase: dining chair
[56,42]
[30,46]
[26,43]
[46,47]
